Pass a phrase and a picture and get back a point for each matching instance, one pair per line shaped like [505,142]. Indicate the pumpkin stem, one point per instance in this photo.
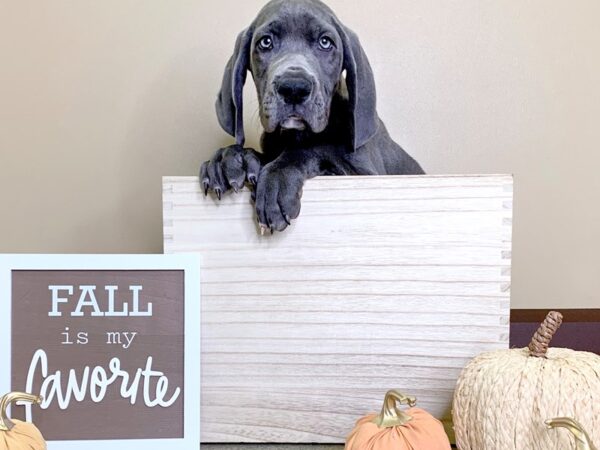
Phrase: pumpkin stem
[582,439]
[390,415]
[5,423]
[542,337]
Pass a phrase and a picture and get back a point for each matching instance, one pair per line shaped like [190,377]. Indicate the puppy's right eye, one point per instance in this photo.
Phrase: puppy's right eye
[265,43]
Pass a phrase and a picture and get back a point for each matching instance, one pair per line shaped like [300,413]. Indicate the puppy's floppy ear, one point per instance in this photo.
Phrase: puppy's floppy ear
[229,101]
[361,88]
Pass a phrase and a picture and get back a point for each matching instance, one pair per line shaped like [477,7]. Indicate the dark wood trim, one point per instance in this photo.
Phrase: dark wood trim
[569,315]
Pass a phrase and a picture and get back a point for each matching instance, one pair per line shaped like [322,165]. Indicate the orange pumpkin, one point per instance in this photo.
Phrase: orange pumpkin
[413,429]
[15,434]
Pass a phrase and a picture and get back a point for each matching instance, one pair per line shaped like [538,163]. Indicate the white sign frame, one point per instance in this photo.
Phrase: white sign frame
[189,263]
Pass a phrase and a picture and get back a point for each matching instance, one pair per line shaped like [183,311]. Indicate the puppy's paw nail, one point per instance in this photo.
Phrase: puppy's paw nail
[218,192]
[263,228]
[287,219]
[205,186]
[234,186]
[252,179]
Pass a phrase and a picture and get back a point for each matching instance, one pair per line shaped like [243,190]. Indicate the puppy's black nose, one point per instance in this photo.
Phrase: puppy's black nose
[294,90]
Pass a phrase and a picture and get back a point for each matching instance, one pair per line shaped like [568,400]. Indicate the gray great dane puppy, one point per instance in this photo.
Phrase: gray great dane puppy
[317,100]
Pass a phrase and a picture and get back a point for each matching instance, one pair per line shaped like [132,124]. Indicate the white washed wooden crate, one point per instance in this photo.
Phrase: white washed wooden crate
[382,282]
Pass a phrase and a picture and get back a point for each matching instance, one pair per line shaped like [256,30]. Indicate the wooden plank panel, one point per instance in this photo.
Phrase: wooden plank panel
[426,319]
[354,303]
[359,286]
[228,255]
[349,346]
[382,282]
[350,272]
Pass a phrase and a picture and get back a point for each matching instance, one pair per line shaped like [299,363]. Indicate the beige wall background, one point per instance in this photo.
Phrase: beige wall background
[99,99]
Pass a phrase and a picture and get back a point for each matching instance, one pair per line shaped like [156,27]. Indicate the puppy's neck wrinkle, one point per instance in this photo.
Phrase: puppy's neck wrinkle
[337,133]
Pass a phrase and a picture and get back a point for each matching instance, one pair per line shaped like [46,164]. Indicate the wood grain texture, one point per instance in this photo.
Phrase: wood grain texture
[382,282]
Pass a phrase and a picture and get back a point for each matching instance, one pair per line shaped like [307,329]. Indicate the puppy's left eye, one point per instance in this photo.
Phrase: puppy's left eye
[325,43]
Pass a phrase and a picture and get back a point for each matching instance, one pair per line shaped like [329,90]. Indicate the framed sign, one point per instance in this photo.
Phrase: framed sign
[111,343]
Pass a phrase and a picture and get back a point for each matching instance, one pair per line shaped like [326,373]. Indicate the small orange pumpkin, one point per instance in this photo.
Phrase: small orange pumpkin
[15,434]
[414,429]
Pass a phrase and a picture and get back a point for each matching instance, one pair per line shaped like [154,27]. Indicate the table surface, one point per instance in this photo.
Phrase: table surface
[273,447]
[270,447]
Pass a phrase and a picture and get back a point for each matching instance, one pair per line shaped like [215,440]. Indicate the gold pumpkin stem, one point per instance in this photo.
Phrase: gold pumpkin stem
[582,439]
[390,415]
[542,337]
[5,423]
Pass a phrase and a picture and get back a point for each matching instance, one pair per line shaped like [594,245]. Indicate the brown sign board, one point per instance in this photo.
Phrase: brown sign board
[105,348]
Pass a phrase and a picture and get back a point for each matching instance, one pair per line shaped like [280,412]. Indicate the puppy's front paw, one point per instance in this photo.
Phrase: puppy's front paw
[229,168]
[278,196]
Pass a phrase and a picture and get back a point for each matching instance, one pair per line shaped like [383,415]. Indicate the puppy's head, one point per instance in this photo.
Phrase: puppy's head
[297,51]
[296,57]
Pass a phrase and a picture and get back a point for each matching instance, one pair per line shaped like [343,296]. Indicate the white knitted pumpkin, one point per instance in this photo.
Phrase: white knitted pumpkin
[502,398]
